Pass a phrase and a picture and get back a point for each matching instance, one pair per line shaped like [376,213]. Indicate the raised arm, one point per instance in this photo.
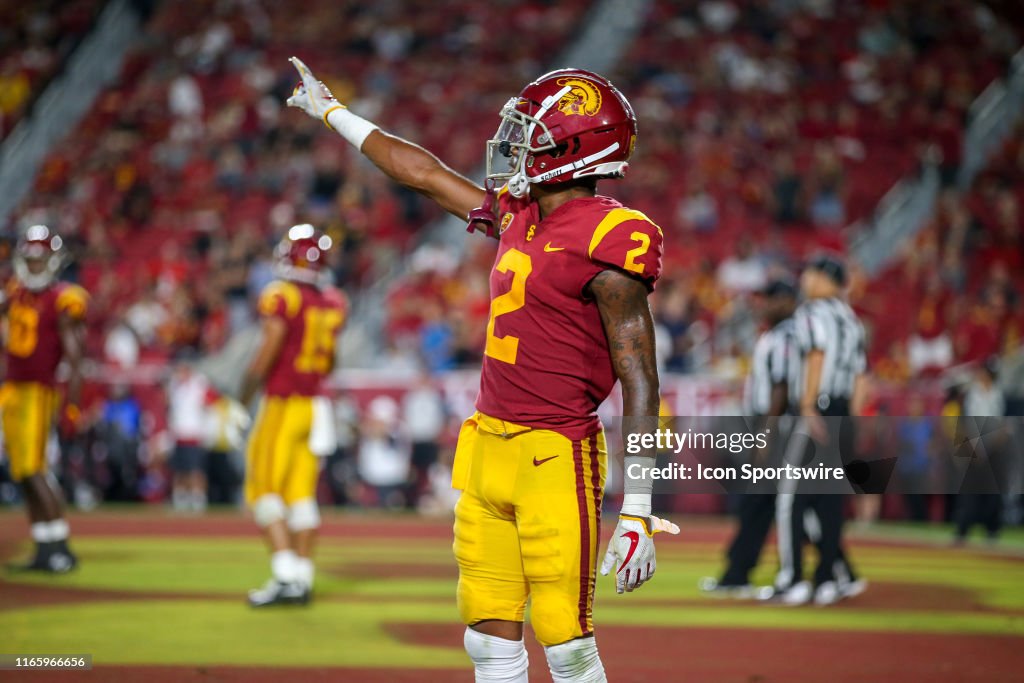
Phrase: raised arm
[404,162]
[629,327]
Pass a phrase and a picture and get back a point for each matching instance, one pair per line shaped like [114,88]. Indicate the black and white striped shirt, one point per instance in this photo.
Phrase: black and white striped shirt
[776,360]
[831,326]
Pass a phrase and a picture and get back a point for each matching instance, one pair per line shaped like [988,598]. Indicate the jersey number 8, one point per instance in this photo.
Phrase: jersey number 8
[23,330]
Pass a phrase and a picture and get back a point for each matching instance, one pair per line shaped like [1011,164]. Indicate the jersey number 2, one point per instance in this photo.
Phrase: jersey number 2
[506,348]
[633,254]
[317,353]
[22,331]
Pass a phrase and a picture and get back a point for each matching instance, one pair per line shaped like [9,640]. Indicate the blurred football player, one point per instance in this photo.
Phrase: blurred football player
[44,324]
[301,317]
[569,316]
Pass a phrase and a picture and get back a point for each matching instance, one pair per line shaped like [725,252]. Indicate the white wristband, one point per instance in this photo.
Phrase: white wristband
[636,504]
[352,127]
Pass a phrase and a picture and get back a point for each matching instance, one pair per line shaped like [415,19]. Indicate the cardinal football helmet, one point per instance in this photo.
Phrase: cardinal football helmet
[302,254]
[567,124]
[45,250]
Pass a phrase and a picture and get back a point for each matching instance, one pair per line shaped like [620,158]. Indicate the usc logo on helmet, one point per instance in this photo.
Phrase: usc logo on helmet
[583,100]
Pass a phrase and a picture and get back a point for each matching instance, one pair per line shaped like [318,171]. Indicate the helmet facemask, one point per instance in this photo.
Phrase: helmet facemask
[510,146]
[308,267]
[512,155]
[40,246]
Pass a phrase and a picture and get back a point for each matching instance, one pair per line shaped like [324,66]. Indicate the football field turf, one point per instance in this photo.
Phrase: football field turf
[161,598]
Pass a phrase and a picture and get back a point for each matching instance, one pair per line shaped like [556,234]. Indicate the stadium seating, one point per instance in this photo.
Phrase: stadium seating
[35,40]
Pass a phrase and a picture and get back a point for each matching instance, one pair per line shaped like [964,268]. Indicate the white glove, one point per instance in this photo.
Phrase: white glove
[631,550]
[311,95]
[314,98]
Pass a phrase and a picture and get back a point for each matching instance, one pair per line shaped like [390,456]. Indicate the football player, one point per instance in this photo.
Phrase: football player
[569,316]
[44,324]
[301,318]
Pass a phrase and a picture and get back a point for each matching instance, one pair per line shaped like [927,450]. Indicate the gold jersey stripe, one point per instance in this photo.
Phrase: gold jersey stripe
[73,300]
[612,220]
[287,291]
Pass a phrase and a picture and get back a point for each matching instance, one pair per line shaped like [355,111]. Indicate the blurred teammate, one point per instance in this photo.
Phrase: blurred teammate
[301,318]
[44,322]
[767,392]
[569,316]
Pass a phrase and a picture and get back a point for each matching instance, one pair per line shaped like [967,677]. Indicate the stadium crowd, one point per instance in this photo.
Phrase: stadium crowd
[35,41]
[788,123]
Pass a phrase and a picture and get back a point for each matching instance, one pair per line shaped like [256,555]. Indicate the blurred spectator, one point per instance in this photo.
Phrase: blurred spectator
[121,345]
[673,315]
[119,430]
[930,347]
[436,338]
[983,396]
[341,466]
[223,442]
[917,434]
[978,335]
[383,457]
[986,437]
[744,272]
[14,92]
[423,416]
[787,190]
[698,211]
[184,99]
[187,392]
[147,316]
[827,208]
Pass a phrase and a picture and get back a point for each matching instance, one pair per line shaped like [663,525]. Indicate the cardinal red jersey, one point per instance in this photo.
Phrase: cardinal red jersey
[314,317]
[546,360]
[33,345]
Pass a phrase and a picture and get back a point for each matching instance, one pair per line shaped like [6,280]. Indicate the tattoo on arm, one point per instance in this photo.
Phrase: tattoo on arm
[629,327]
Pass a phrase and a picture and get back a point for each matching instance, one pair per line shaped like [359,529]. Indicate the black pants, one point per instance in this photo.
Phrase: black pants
[757,510]
[222,479]
[123,467]
[828,508]
[424,455]
[833,562]
[978,508]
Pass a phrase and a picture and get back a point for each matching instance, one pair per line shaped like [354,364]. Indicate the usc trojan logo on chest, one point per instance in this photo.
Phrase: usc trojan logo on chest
[584,99]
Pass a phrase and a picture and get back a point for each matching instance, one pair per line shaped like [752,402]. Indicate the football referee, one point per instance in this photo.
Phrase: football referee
[830,341]
[773,370]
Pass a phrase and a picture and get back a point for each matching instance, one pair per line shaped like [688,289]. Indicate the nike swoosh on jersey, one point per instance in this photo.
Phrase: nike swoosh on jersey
[537,462]
[548,247]
[634,541]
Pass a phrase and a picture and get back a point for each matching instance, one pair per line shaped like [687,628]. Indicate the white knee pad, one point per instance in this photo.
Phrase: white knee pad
[267,509]
[496,660]
[303,515]
[576,661]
